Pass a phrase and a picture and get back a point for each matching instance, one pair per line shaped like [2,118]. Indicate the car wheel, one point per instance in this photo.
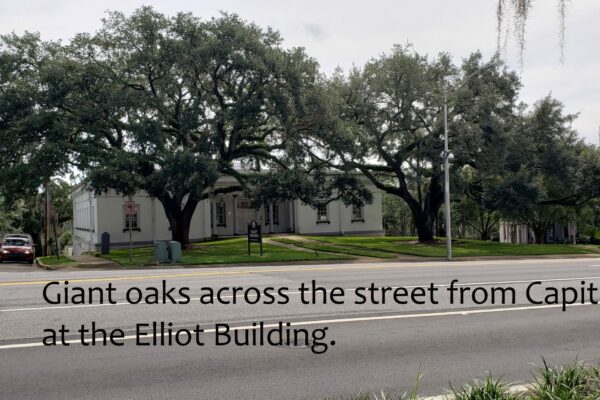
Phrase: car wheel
[30,261]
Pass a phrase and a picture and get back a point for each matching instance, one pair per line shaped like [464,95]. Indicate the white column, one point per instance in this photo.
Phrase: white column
[235,214]
[292,228]
[270,217]
[295,209]
[153,217]
[91,224]
[74,225]
[213,215]
[340,216]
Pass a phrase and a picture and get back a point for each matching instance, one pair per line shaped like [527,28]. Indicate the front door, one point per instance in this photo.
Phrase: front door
[245,214]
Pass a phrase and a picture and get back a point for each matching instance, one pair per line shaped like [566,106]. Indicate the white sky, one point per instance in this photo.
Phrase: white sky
[343,33]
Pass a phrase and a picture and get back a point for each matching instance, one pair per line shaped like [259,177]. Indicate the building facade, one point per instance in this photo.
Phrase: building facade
[222,215]
[513,232]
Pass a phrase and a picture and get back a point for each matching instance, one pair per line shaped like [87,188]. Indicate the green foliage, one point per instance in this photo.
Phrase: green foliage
[65,239]
[168,104]
[462,248]
[546,172]
[318,247]
[536,171]
[390,123]
[227,251]
[315,187]
[488,389]
[27,214]
[62,261]
[387,395]
[35,140]
[573,381]
[472,213]
[10,216]
[397,218]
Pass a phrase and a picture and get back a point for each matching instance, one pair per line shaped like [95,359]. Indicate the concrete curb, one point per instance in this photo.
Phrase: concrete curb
[333,262]
[514,389]
[53,267]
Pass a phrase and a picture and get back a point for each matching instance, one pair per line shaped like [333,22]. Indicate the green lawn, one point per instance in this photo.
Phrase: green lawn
[355,251]
[52,260]
[227,251]
[462,248]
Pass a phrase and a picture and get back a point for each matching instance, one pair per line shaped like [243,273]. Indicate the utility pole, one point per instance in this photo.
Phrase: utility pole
[447,155]
[46,217]
[129,221]
[447,183]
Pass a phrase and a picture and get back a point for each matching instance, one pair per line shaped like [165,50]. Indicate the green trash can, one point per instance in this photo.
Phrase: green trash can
[174,251]
[160,252]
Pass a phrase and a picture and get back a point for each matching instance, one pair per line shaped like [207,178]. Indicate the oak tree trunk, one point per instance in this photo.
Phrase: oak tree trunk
[424,224]
[179,218]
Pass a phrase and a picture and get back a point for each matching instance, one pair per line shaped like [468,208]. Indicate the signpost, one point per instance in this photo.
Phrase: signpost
[131,209]
[254,236]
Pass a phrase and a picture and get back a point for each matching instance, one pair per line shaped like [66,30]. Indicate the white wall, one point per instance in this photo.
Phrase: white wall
[108,217]
[340,218]
[85,218]
[94,215]
[514,233]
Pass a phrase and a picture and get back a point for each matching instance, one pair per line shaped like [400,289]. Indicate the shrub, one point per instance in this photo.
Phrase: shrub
[489,389]
[573,381]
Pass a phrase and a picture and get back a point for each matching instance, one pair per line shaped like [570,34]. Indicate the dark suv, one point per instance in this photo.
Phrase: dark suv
[17,247]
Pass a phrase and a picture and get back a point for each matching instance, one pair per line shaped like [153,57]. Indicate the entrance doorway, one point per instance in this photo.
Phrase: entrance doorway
[245,214]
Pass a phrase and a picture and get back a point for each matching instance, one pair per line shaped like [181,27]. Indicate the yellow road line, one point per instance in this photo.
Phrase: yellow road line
[332,267]
[183,275]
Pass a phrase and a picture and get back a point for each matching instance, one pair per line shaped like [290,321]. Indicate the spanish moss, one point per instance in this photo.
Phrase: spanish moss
[519,9]
[562,11]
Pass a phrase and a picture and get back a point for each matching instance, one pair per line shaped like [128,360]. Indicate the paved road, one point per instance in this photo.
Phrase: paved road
[376,346]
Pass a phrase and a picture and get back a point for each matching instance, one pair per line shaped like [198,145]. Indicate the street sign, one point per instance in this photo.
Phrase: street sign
[254,236]
[131,208]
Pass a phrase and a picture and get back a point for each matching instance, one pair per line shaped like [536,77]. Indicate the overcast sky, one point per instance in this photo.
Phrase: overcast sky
[343,33]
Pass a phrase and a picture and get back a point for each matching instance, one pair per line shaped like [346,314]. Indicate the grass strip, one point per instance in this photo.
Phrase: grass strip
[226,251]
[461,248]
[52,260]
[356,251]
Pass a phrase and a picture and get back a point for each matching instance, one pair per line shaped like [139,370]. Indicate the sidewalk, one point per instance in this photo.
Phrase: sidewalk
[399,257]
[93,262]
[90,262]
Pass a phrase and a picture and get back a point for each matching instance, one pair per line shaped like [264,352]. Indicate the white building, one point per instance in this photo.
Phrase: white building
[512,232]
[219,216]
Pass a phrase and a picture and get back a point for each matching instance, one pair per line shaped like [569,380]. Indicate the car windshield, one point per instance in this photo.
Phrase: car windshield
[15,242]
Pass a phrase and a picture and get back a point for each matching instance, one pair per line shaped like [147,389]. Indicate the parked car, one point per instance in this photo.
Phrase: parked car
[18,235]
[17,247]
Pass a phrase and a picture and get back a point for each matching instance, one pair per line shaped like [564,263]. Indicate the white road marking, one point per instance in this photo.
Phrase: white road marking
[124,303]
[340,321]
[231,271]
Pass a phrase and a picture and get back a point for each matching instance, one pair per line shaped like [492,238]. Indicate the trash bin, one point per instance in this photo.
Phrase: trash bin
[174,251]
[105,243]
[160,252]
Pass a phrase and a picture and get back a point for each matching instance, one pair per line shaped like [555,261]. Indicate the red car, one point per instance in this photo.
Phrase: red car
[17,249]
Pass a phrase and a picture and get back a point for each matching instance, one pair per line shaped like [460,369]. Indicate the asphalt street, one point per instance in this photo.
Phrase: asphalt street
[370,347]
